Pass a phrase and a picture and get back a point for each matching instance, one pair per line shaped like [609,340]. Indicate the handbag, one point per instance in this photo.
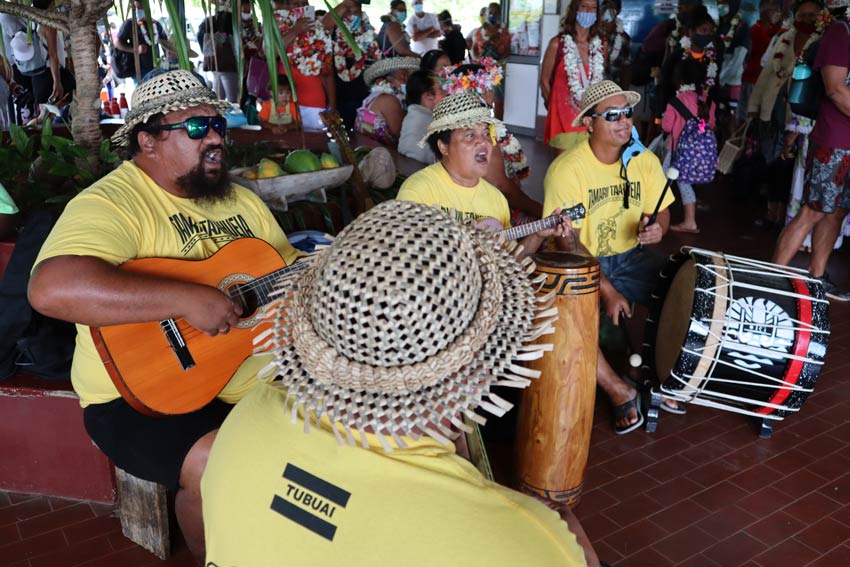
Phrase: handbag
[258,78]
[732,149]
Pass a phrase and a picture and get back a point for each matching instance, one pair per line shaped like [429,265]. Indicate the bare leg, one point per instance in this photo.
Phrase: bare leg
[618,391]
[689,223]
[823,239]
[794,233]
[187,503]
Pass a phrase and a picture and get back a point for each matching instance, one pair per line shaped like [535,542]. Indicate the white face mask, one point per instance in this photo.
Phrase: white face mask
[246,17]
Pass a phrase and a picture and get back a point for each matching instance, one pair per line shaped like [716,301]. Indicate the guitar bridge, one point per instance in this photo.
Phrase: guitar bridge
[178,345]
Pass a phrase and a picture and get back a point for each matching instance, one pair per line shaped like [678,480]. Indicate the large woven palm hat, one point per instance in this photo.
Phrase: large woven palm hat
[175,90]
[601,91]
[403,324]
[461,110]
[385,66]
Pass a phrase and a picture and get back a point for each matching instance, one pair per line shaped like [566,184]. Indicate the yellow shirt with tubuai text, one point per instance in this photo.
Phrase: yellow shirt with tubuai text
[433,186]
[275,495]
[578,177]
[125,216]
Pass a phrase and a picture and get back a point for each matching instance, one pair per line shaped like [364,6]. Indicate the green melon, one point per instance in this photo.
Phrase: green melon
[302,161]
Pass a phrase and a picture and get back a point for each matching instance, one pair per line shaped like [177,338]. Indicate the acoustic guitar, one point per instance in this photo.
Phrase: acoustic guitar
[490,224]
[169,367]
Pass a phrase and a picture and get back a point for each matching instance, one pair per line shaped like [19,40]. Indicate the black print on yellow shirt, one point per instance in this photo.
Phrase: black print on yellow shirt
[460,216]
[601,195]
[192,231]
[310,501]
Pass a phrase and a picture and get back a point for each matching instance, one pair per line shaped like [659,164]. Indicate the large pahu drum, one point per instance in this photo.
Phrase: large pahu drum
[736,334]
[556,414]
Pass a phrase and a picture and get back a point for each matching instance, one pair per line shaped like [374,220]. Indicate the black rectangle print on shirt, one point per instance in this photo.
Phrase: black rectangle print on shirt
[310,501]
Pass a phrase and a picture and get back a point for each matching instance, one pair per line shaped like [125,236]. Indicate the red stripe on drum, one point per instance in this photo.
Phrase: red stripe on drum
[801,346]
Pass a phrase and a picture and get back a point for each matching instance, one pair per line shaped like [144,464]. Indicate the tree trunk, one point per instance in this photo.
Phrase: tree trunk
[85,112]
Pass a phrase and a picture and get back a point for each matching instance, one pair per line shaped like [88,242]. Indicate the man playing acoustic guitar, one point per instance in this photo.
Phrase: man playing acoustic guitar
[172,199]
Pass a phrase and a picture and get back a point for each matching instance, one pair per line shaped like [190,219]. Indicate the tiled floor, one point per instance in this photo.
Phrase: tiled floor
[703,491]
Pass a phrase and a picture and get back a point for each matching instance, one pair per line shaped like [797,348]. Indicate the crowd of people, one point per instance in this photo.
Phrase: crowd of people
[382,370]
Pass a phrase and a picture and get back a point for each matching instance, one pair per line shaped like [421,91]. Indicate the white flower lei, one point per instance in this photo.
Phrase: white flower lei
[733,26]
[145,35]
[515,161]
[365,38]
[618,41]
[384,86]
[310,65]
[690,87]
[572,60]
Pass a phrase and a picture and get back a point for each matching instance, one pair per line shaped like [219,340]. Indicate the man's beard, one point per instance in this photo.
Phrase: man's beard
[205,188]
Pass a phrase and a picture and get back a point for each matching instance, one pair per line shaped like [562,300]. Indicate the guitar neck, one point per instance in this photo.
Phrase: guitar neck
[262,288]
[523,230]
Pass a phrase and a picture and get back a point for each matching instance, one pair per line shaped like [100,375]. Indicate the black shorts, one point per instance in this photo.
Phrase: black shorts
[151,448]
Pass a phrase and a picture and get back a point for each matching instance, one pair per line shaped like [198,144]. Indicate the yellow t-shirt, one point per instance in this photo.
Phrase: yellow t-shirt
[433,186]
[577,177]
[274,495]
[126,215]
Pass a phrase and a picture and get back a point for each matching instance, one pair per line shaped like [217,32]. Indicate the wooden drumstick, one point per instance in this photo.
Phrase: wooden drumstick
[672,175]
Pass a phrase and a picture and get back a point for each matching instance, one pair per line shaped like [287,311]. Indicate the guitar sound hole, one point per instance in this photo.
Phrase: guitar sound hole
[246,298]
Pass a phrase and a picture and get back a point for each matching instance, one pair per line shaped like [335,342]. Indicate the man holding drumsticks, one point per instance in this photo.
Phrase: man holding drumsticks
[619,200]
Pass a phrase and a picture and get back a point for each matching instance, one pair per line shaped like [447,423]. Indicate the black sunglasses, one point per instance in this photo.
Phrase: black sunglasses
[614,114]
[197,127]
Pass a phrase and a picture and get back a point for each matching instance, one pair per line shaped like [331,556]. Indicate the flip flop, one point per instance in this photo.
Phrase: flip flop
[623,411]
[680,408]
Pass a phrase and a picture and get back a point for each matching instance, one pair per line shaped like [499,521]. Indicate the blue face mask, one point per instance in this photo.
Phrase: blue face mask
[140,14]
[401,16]
[608,16]
[722,10]
[355,23]
[418,8]
[404,91]
[586,19]
[493,19]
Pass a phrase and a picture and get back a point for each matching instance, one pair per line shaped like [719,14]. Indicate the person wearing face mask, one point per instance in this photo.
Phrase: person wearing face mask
[392,38]
[453,42]
[424,28]
[619,63]
[768,107]
[698,44]
[351,89]
[215,36]
[761,34]
[382,112]
[574,60]
[145,44]
[482,19]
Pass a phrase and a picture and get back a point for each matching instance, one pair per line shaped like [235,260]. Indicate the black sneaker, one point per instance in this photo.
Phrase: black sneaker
[833,291]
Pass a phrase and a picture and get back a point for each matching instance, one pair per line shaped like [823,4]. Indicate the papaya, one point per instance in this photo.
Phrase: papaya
[328,161]
[269,168]
[302,161]
[249,174]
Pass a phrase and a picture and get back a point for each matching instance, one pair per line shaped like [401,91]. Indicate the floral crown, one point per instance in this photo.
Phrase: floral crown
[480,81]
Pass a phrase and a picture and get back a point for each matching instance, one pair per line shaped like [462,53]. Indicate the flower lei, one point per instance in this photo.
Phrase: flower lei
[673,40]
[145,35]
[383,86]
[310,51]
[516,166]
[482,81]
[618,41]
[710,56]
[572,60]
[690,87]
[730,34]
[365,38]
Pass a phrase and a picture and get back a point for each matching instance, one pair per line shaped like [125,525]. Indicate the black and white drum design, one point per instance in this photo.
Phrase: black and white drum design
[736,334]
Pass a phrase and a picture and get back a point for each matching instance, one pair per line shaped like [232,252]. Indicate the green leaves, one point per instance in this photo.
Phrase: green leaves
[274,48]
[178,34]
[149,25]
[236,14]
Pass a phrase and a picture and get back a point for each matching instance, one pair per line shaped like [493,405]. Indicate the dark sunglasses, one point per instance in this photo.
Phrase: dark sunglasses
[196,127]
[614,114]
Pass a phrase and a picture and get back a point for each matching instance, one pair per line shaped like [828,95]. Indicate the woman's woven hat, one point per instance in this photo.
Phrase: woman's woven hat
[175,90]
[460,110]
[603,90]
[404,324]
[385,66]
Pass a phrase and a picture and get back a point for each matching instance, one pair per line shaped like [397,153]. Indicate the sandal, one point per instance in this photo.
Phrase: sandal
[623,410]
[680,408]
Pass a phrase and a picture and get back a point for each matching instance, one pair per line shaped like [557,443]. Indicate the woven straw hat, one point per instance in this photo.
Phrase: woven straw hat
[460,110]
[403,324]
[603,90]
[385,66]
[175,90]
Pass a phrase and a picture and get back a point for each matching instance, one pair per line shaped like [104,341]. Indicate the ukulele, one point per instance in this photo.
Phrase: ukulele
[169,367]
[521,231]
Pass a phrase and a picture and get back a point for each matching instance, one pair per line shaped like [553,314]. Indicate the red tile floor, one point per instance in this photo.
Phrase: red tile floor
[703,491]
